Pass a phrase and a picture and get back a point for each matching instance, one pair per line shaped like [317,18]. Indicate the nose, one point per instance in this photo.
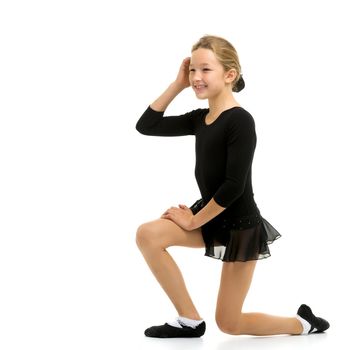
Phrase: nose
[196,76]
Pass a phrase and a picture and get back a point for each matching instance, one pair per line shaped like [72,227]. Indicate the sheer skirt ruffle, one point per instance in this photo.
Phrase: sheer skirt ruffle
[237,238]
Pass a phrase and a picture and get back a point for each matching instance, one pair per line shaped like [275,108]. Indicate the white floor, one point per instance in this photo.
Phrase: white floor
[215,340]
[106,336]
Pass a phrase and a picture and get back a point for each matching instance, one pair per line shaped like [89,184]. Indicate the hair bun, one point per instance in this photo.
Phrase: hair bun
[240,84]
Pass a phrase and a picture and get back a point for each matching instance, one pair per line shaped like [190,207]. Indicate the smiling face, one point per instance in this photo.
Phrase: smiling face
[207,75]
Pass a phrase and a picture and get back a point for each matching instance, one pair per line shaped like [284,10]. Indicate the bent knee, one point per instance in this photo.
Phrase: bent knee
[146,235]
[142,235]
[229,326]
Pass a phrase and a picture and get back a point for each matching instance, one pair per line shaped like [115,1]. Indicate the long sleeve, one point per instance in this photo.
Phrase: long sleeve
[241,143]
[155,124]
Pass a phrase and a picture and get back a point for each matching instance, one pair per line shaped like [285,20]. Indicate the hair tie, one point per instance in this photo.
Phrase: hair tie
[240,84]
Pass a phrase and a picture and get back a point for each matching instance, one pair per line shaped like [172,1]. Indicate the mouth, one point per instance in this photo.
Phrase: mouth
[199,87]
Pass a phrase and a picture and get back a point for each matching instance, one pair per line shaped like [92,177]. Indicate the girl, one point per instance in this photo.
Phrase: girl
[226,220]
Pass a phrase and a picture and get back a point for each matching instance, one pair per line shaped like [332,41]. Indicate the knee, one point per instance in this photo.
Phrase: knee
[145,236]
[228,325]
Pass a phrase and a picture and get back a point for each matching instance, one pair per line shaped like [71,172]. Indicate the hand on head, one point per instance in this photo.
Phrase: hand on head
[182,79]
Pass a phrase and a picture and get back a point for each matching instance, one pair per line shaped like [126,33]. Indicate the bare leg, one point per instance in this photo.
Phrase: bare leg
[152,239]
[235,282]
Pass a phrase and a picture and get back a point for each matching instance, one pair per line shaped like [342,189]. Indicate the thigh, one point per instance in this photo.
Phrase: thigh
[165,233]
[236,278]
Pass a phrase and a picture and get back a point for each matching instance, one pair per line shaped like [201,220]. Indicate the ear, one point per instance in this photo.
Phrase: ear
[230,75]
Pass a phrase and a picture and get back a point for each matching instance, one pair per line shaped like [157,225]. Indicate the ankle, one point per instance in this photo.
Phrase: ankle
[195,316]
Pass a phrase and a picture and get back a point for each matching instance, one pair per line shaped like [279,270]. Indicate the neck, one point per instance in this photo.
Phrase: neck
[221,102]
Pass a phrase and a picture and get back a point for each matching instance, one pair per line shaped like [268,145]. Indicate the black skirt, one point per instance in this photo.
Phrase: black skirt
[237,238]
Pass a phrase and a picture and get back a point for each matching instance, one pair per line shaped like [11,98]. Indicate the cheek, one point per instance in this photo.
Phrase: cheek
[221,81]
[216,82]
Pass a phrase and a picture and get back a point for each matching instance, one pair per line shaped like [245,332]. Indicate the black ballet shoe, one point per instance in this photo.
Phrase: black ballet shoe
[318,324]
[167,331]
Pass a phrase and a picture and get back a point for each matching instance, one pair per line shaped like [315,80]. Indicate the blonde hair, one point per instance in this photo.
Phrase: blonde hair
[226,55]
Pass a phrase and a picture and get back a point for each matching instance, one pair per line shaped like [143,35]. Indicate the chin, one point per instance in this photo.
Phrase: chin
[201,97]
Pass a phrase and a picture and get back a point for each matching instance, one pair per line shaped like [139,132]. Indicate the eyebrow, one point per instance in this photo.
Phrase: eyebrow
[202,64]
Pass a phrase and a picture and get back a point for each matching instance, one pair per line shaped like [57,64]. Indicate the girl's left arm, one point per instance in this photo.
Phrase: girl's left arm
[210,211]
[184,217]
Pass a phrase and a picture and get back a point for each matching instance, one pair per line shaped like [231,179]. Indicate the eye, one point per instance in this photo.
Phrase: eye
[206,69]
[192,70]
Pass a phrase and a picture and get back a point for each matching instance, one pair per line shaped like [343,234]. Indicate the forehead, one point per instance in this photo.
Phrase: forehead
[203,57]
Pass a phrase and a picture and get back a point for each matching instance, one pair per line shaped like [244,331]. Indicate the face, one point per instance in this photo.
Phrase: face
[207,76]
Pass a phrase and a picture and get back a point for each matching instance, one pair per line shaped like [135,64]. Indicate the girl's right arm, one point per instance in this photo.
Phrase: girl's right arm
[181,83]
[152,122]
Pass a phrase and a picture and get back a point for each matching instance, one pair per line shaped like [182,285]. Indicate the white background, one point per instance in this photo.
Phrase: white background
[76,179]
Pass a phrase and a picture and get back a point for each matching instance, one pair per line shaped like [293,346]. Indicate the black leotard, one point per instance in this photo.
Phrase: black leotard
[224,153]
